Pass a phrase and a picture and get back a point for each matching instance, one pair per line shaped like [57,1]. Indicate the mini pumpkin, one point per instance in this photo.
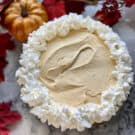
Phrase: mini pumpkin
[24,16]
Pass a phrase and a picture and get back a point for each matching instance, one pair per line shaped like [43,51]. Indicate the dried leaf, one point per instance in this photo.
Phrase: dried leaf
[4,4]
[109,14]
[6,43]
[54,8]
[4,131]
[129,3]
[7,117]
[74,6]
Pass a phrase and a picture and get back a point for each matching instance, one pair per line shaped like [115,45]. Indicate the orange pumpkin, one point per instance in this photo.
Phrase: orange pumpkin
[24,16]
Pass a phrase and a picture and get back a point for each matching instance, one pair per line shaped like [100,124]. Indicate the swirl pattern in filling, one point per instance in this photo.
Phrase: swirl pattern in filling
[77,68]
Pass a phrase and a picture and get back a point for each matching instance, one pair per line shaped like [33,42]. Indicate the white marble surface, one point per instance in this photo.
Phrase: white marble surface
[122,124]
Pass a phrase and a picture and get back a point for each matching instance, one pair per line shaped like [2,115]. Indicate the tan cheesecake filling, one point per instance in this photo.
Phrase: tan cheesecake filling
[77,68]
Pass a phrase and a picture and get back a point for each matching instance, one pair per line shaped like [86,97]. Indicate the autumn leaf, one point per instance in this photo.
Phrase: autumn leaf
[4,4]
[129,3]
[6,43]
[54,8]
[74,6]
[109,14]
[57,8]
[4,131]
[3,64]
[7,117]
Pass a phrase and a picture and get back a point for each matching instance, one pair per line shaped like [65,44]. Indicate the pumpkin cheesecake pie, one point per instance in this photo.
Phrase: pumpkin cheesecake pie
[74,72]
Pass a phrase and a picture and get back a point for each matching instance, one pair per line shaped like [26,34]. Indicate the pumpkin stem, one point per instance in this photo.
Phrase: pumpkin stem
[24,12]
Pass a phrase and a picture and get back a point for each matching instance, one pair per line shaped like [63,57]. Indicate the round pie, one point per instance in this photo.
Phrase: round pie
[74,72]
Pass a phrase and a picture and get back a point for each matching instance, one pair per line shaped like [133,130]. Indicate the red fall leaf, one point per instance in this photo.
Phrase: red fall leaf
[54,8]
[57,8]
[7,117]
[109,14]
[74,6]
[129,3]
[6,43]
[4,131]
[4,4]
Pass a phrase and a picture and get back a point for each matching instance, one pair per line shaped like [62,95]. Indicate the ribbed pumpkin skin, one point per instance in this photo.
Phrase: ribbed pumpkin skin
[21,24]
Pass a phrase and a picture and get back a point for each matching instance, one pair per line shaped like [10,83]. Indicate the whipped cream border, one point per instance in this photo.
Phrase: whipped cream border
[37,96]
